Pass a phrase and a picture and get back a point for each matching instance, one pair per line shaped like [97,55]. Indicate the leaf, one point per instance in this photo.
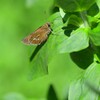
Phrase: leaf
[75,90]
[98,3]
[93,10]
[77,41]
[39,65]
[75,5]
[95,35]
[86,87]
[56,37]
[73,19]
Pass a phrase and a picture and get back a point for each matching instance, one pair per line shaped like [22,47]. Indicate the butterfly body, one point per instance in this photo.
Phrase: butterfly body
[39,36]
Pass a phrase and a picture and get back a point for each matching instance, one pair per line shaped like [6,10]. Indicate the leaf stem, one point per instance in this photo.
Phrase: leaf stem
[84,18]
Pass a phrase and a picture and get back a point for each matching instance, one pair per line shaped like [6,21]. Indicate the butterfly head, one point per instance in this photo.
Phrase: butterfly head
[48,24]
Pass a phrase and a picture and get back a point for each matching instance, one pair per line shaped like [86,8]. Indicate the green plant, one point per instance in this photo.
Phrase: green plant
[76,30]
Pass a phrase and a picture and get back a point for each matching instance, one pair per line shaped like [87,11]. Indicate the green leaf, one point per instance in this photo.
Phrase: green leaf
[75,5]
[75,90]
[77,41]
[45,53]
[74,20]
[98,3]
[39,65]
[57,35]
[93,10]
[56,23]
[86,88]
[95,35]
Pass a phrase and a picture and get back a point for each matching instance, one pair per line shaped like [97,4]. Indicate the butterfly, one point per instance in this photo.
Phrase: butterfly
[38,36]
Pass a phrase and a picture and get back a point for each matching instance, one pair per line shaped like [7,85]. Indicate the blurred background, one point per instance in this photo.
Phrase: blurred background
[18,18]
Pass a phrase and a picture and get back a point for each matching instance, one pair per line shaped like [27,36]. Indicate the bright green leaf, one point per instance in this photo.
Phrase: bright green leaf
[49,49]
[39,65]
[98,3]
[57,35]
[87,88]
[75,90]
[77,41]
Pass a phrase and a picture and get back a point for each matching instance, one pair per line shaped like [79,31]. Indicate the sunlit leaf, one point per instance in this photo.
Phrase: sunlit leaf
[40,62]
[86,87]
[77,41]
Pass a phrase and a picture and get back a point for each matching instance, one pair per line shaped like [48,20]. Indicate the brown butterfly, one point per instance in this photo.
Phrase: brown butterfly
[38,36]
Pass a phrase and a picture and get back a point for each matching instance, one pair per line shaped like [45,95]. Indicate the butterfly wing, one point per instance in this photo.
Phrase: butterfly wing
[26,40]
[40,35]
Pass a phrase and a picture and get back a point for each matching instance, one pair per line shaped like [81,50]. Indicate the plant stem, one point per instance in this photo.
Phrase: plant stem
[84,18]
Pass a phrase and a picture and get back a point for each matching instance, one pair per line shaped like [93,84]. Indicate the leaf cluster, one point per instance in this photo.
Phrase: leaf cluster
[76,30]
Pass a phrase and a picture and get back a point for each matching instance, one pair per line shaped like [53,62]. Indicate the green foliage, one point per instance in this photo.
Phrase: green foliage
[75,5]
[77,41]
[81,28]
[86,87]
[69,59]
[49,49]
